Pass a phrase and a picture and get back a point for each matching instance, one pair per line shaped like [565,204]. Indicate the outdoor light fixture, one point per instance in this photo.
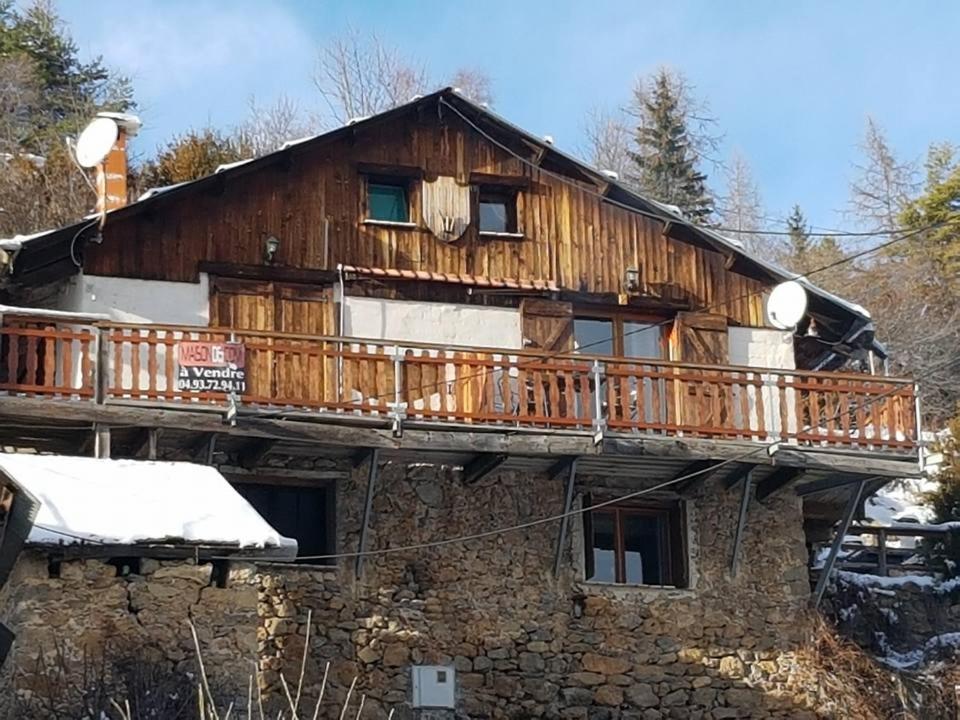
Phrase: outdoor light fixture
[270,247]
[631,280]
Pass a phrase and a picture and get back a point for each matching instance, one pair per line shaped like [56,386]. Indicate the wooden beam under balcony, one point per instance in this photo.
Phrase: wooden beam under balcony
[693,476]
[334,430]
[253,453]
[481,466]
[778,481]
[739,472]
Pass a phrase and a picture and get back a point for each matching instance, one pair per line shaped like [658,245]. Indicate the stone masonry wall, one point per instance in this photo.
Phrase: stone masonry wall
[525,643]
[91,613]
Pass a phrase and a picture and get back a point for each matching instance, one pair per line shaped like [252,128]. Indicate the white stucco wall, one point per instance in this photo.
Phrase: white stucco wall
[764,348]
[139,301]
[429,322]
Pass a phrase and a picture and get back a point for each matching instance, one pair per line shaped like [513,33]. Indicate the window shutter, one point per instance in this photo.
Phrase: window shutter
[547,325]
[701,338]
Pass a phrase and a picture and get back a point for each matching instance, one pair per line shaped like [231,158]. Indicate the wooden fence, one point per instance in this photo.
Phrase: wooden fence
[116,362]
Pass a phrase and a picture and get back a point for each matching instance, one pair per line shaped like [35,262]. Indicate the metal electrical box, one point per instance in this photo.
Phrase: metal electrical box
[433,686]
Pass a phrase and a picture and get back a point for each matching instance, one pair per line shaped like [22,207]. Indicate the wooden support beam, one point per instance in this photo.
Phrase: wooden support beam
[778,481]
[367,509]
[741,522]
[831,560]
[828,483]
[565,520]
[700,471]
[203,448]
[561,467]
[481,466]
[739,472]
[255,451]
[882,553]
[101,443]
[145,444]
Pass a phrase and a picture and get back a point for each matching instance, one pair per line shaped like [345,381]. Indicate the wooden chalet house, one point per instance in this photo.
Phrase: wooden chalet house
[433,287]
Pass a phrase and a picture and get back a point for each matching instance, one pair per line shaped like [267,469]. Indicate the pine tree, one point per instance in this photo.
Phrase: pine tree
[666,155]
[799,247]
[46,94]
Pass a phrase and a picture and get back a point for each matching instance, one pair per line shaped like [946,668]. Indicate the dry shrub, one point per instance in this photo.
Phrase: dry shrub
[843,681]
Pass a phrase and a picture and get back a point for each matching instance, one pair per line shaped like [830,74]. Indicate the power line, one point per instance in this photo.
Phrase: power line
[622,498]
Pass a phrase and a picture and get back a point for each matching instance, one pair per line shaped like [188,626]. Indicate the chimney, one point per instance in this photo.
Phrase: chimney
[112,172]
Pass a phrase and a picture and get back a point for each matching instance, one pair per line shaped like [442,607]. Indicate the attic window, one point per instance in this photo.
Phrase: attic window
[388,200]
[497,212]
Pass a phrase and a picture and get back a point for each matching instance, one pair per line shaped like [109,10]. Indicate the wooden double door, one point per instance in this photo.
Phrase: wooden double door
[286,364]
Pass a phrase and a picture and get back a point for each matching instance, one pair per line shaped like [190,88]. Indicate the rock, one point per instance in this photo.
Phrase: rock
[605,665]
[430,493]
[608,695]
[642,695]
[577,697]
[531,662]
[396,655]
[675,698]
[368,654]
[587,679]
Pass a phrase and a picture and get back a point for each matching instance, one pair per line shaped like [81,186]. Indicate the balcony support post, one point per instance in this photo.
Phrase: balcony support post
[741,521]
[367,509]
[852,504]
[565,520]
[101,440]
[917,419]
[398,409]
[599,422]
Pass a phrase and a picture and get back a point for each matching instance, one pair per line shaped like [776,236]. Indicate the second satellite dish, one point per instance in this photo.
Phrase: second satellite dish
[96,141]
[786,305]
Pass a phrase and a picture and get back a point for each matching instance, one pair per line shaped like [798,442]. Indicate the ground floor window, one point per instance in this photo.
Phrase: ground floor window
[305,514]
[636,544]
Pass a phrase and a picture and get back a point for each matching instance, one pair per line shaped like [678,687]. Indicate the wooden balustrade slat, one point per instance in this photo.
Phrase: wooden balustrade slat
[66,361]
[32,343]
[761,410]
[49,361]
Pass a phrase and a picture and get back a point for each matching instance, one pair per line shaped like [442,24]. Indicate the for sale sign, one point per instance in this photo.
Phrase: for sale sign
[211,367]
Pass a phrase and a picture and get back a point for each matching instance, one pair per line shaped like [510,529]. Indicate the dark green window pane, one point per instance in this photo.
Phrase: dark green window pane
[387,202]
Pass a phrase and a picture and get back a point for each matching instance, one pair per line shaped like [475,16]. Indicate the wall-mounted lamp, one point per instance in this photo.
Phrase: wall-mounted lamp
[270,247]
[631,280]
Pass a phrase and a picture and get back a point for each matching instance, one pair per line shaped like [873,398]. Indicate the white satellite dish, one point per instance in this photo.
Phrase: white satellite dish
[786,305]
[96,141]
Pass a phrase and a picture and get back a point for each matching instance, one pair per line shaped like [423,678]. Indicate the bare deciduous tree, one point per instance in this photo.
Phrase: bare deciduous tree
[740,209]
[474,84]
[267,127]
[359,76]
[608,141]
[884,184]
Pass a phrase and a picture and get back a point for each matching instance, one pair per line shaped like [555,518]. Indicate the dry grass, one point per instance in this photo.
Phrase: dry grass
[848,683]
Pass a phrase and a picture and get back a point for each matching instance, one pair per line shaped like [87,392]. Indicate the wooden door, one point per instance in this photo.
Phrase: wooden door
[288,370]
[701,338]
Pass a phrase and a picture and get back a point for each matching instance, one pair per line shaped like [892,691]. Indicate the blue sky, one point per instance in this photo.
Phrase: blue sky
[790,83]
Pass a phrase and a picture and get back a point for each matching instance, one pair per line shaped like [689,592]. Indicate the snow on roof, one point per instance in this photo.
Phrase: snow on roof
[133,502]
[150,192]
[297,141]
[230,165]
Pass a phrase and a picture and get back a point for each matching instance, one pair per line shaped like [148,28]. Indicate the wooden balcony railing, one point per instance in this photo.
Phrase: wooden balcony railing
[113,362]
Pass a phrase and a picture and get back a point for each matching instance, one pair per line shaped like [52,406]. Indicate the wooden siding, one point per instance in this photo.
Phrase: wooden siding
[312,200]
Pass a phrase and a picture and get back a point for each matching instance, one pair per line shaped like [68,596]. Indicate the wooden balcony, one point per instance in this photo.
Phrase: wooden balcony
[409,382]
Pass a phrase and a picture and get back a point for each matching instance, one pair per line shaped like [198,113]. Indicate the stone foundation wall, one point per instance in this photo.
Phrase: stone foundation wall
[523,643]
[69,628]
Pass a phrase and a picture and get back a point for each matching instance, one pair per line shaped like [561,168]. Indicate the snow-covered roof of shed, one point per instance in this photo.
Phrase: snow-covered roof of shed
[135,502]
